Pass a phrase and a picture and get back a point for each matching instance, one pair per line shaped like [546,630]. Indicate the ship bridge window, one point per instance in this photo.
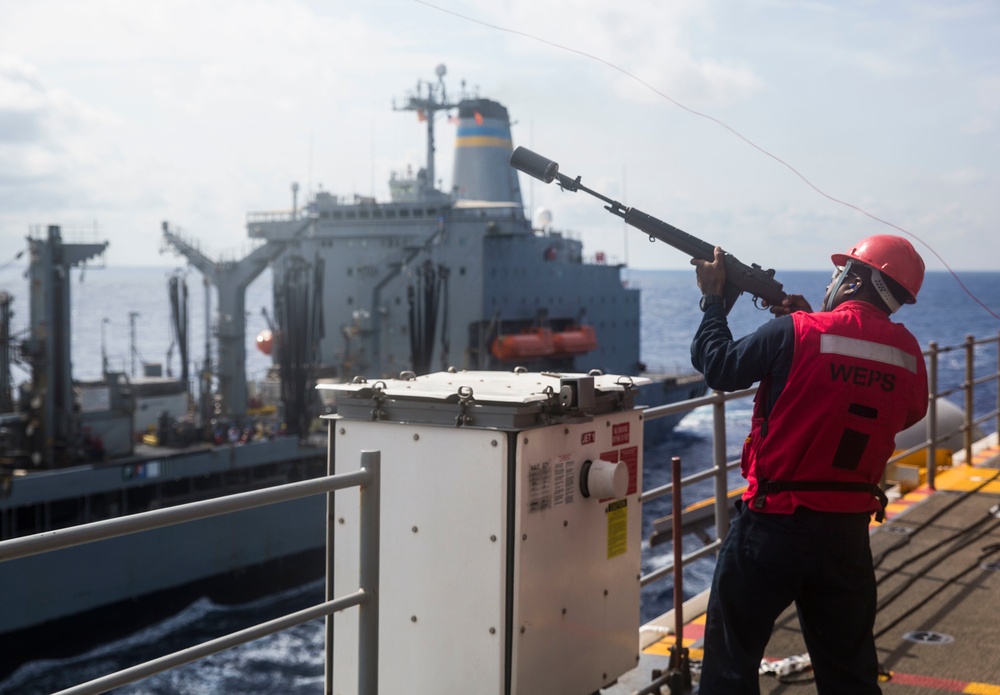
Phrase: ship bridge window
[363,214]
[404,212]
[390,213]
[351,214]
[418,212]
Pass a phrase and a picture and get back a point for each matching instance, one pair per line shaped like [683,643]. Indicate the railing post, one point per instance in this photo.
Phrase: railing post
[331,521]
[932,389]
[970,376]
[719,461]
[680,665]
[369,575]
[675,476]
[997,402]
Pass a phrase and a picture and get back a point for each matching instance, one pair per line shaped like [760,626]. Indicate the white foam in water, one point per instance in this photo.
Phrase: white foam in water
[287,662]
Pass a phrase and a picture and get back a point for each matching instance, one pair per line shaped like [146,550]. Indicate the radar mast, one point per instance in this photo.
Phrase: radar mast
[428,99]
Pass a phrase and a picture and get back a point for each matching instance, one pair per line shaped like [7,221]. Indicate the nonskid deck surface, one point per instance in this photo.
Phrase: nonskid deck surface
[938,571]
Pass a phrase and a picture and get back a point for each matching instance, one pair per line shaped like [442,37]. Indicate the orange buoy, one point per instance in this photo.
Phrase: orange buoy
[265,341]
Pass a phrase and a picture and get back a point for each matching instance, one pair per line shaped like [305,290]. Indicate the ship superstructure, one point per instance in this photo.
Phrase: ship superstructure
[434,279]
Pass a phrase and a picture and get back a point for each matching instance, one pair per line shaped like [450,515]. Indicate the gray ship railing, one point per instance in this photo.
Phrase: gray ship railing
[366,596]
[368,480]
[720,467]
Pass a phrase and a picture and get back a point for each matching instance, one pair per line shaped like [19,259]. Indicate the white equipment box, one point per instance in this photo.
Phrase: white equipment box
[510,531]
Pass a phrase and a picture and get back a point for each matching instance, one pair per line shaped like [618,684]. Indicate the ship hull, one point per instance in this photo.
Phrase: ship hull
[240,556]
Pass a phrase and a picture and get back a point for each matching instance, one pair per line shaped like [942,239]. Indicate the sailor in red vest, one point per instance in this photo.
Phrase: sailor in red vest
[836,386]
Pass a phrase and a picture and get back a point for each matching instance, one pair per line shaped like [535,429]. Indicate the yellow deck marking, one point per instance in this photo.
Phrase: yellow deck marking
[982,689]
[964,478]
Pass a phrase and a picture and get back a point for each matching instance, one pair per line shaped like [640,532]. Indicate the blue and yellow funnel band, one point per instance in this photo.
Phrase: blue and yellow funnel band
[478,135]
[472,130]
[484,141]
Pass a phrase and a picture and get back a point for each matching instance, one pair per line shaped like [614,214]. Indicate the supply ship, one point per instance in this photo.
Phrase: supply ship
[363,290]
[459,279]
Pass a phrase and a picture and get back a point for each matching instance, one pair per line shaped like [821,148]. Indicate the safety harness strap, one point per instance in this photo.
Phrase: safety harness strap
[770,487]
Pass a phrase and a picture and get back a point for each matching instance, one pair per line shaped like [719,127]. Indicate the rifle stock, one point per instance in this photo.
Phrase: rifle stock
[740,277]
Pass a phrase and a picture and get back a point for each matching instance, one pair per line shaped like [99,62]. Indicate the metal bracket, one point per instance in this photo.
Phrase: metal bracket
[465,398]
[378,398]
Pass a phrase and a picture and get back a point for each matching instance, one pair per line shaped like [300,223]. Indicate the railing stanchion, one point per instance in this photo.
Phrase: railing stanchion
[331,525]
[675,476]
[970,415]
[719,462]
[369,575]
[680,664]
[932,388]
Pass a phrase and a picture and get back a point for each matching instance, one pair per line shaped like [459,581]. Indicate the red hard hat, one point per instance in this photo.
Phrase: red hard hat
[893,256]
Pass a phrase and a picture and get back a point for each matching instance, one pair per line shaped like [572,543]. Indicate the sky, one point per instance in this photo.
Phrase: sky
[741,123]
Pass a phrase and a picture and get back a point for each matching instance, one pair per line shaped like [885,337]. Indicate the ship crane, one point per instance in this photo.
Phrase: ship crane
[48,348]
[231,279]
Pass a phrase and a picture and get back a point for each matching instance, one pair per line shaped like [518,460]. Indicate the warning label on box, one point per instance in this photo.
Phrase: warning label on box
[620,434]
[539,487]
[564,481]
[617,513]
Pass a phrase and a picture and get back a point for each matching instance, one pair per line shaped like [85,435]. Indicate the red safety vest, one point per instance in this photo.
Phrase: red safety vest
[857,379]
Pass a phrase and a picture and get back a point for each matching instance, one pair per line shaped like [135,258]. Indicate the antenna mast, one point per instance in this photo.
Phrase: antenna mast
[428,99]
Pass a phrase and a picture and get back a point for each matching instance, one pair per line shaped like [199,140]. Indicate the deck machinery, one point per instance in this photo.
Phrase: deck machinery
[515,534]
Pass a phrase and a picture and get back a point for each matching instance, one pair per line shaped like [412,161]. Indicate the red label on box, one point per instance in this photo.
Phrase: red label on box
[620,433]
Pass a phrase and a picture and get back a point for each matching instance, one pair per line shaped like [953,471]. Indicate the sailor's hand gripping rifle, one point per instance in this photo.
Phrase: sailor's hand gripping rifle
[740,277]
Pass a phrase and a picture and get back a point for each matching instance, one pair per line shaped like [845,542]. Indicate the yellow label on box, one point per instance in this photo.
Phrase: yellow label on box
[617,528]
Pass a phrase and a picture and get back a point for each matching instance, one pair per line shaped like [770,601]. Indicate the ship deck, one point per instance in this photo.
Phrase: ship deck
[937,562]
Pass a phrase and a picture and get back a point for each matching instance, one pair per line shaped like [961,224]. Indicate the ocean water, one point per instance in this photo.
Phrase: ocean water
[291,662]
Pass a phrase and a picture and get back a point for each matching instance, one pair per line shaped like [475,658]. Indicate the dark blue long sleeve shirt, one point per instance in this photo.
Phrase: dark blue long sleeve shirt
[731,365]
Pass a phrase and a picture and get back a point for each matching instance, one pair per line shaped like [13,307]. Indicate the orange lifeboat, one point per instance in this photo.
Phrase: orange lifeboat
[529,345]
[576,341]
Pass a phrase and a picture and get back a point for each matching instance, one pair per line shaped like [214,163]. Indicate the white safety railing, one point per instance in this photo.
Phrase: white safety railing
[366,597]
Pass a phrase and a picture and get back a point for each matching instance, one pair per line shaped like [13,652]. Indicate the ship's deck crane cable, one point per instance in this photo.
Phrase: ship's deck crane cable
[732,130]
[178,295]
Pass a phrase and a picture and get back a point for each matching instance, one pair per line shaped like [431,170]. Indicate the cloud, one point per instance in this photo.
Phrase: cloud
[44,139]
[200,112]
[964,177]
[622,46]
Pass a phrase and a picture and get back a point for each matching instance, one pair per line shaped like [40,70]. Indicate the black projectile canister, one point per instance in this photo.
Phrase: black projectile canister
[534,164]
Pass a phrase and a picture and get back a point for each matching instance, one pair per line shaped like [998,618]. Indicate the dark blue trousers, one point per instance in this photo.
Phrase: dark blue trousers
[822,562]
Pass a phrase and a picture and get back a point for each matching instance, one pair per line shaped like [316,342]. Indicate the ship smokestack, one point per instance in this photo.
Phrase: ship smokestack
[482,153]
